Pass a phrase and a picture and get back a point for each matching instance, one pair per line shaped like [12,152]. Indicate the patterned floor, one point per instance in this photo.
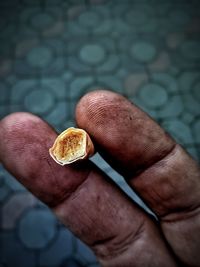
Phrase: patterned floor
[54,51]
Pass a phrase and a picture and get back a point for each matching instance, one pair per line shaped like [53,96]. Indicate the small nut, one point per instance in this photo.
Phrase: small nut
[71,145]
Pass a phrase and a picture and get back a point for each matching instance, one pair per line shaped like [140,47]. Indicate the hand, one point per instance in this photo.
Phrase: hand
[91,205]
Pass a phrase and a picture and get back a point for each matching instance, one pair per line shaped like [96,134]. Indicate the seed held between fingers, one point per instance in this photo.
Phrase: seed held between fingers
[71,145]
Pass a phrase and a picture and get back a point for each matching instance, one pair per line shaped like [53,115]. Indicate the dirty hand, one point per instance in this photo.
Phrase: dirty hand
[91,205]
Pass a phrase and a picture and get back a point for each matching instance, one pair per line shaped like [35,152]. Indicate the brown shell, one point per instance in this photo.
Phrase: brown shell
[71,145]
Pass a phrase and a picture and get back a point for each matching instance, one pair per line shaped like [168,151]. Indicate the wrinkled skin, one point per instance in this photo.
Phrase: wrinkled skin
[91,205]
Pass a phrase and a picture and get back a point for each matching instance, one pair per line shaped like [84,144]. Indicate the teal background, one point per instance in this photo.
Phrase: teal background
[51,53]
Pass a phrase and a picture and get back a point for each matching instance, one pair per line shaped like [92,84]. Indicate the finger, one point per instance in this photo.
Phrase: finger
[158,169]
[82,197]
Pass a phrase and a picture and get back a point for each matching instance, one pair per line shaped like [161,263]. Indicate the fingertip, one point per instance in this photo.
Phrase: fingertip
[19,116]
[20,136]
[94,103]
[122,132]
[17,120]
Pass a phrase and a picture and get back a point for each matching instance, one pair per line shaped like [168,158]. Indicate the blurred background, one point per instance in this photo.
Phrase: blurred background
[54,51]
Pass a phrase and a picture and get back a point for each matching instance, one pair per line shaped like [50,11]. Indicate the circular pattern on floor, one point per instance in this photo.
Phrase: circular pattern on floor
[40,56]
[143,52]
[41,21]
[89,19]
[37,228]
[191,50]
[39,100]
[92,53]
[153,95]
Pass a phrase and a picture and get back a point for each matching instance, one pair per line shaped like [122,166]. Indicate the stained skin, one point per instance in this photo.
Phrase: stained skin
[87,201]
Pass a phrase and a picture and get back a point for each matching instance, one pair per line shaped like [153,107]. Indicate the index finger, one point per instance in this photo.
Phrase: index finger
[163,174]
